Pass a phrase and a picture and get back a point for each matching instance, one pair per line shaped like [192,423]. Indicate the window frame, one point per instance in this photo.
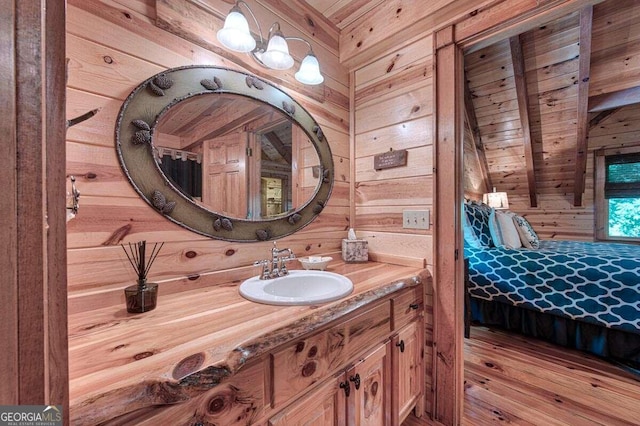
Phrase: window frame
[601,203]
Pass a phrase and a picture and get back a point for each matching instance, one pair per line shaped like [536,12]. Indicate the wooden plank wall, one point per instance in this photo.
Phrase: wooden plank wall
[394,111]
[112,45]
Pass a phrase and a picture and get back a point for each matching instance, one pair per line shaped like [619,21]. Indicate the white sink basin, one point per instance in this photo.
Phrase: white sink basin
[297,288]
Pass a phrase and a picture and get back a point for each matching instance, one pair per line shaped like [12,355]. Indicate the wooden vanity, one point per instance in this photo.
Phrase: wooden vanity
[208,356]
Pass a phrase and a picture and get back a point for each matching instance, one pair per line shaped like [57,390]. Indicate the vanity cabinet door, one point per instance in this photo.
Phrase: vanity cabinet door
[305,362]
[325,406]
[408,377]
[369,402]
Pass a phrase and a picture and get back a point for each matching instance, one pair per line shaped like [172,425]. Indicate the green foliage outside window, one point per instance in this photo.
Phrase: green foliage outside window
[624,217]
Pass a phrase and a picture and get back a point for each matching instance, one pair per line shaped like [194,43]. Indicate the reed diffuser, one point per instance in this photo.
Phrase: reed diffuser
[141,297]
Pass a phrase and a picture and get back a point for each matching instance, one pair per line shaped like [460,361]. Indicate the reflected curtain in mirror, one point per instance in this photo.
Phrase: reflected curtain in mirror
[184,172]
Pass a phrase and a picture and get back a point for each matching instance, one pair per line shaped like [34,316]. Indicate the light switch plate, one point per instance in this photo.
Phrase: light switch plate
[415,219]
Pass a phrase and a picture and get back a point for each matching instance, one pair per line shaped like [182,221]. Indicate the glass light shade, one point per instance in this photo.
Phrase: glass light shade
[309,72]
[277,54]
[235,34]
[497,200]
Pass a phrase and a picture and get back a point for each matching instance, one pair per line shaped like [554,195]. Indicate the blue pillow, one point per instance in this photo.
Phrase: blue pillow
[477,216]
[494,229]
[470,238]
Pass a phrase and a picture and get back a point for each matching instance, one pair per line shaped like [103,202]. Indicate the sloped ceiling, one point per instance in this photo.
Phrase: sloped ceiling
[539,103]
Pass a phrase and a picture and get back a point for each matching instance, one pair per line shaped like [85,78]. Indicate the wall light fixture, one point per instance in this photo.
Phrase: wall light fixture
[272,53]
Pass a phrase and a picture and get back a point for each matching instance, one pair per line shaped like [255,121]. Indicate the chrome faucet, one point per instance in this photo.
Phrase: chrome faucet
[276,267]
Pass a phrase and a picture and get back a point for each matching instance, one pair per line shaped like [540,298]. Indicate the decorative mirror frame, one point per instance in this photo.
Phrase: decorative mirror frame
[137,121]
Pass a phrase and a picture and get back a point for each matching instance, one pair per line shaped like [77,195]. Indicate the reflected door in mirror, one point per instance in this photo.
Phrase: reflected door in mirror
[225,174]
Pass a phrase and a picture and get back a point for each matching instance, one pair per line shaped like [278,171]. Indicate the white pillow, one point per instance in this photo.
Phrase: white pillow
[528,236]
[508,229]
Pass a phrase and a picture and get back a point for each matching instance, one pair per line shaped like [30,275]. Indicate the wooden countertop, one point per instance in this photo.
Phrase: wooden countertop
[120,362]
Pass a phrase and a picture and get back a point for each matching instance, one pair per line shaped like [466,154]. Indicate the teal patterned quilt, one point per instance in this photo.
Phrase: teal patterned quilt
[597,283]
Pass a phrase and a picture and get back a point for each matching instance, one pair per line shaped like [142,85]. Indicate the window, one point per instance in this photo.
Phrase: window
[618,196]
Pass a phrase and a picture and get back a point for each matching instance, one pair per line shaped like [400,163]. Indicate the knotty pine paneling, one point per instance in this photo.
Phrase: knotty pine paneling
[394,110]
[385,28]
[342,12]
[619,129]
[401,191]
[615,46]
[112,46]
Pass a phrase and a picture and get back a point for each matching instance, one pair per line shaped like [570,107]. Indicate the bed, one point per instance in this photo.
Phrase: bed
[582,295]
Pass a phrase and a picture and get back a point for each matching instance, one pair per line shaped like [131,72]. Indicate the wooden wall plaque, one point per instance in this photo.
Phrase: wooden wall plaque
[388,160]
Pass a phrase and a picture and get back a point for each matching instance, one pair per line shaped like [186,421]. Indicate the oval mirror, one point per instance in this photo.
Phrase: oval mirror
[224,153]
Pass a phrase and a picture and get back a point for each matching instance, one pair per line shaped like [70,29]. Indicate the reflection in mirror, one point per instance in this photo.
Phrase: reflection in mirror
[236,156]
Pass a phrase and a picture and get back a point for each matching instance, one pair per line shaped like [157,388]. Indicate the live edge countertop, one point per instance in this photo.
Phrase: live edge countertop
[193,340]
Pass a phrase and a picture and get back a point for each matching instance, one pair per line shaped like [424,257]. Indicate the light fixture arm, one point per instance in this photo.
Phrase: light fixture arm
[302,40]
[246,6]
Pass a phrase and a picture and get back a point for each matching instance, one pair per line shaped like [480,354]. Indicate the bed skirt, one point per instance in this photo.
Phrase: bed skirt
[615,345]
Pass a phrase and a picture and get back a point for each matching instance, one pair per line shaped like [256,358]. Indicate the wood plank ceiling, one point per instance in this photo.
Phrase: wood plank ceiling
[343,12]
[543,100]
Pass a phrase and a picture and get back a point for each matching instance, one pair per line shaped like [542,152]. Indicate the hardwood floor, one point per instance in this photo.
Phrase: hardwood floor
[511,379]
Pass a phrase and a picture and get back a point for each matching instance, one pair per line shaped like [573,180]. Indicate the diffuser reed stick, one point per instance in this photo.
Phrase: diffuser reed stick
[138,260]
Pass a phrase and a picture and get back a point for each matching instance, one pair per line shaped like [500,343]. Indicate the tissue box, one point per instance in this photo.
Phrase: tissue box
[354,251]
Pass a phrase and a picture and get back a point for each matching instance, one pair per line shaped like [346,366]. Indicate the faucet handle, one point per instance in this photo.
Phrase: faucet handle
[265,268]
[283,260]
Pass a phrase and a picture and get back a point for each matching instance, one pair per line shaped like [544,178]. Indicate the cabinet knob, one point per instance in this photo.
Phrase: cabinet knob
[346,387]
[400,344]
[414,306]
[356,381]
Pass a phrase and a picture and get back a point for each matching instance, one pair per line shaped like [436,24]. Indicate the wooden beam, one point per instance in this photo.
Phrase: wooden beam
[284,151]
[523,108]
[472,121]
[55,183]
[448,263]
[613,100]
[33,318]
[584,69]
[9,385]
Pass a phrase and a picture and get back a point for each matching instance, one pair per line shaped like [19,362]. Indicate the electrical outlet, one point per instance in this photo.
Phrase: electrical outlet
[415,219]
